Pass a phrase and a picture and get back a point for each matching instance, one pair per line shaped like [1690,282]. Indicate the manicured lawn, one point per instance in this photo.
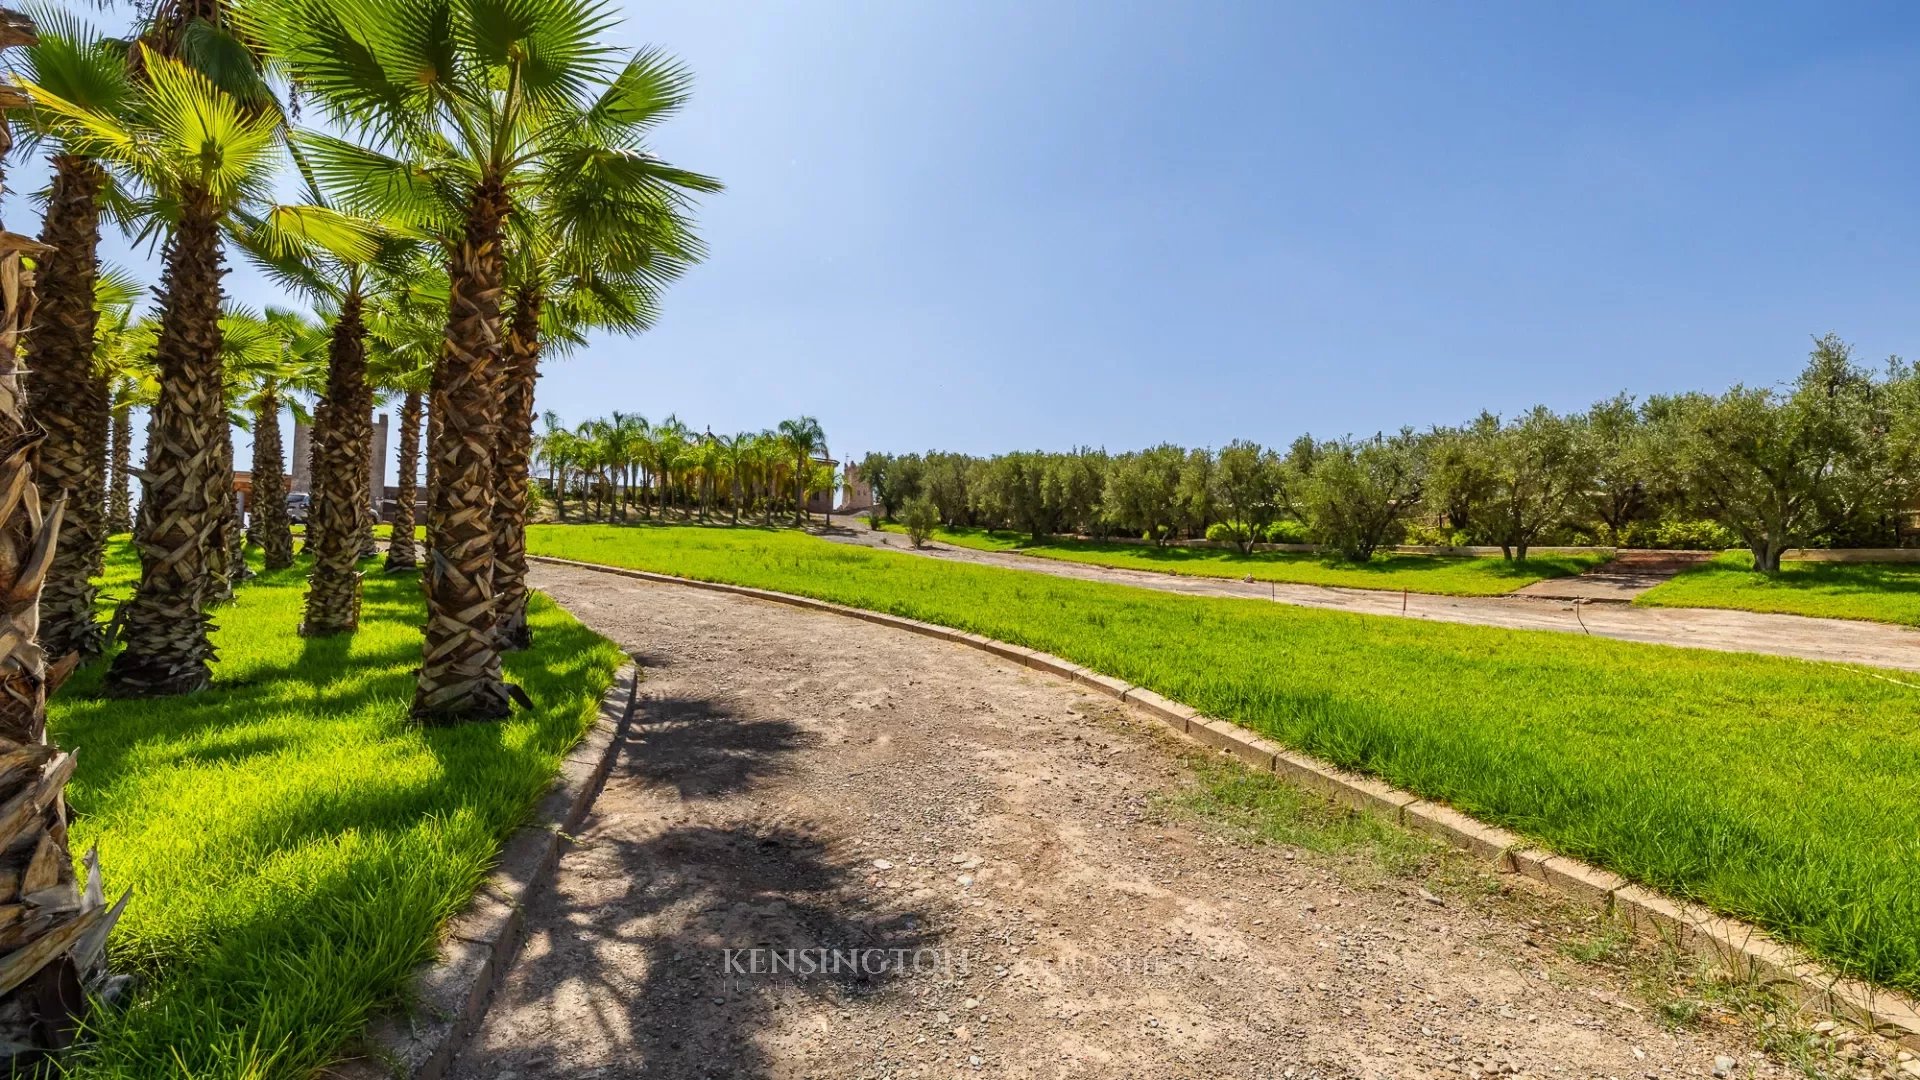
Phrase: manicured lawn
[1778,790]
[292,841]
[1445,575]
[1878,592]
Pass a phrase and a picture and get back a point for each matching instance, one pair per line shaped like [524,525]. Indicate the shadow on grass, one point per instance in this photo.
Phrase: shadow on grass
[292,839]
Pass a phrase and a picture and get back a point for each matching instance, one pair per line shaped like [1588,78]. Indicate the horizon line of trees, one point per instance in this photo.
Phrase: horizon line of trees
[1832,459]
[620,463]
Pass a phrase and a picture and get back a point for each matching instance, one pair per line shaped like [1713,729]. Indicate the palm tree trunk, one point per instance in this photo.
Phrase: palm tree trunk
[184,494]
[799,491]
[226,519]
[401,552]
[340,482]
[460,671]
[316,440]
[55,940]
[510,471]
[270,527]
[70,401]
[120,475]
[435,407]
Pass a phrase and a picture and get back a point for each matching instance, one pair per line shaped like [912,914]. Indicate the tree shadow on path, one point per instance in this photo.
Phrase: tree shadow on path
[654,957]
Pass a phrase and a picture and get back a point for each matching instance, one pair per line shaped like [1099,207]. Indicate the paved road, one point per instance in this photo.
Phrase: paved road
[1841,640]
[803,781]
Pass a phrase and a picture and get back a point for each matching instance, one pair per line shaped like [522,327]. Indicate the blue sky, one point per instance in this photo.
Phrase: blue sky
[993,225]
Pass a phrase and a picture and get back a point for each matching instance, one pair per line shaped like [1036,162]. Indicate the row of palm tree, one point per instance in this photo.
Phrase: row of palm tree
[474,193]
[622,464]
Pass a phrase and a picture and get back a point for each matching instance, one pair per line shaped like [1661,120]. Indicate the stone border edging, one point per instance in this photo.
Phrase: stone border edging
[1744,950]
[451,992]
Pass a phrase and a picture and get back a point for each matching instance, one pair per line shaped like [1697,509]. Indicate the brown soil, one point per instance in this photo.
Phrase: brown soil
[1838,640]
[803,781]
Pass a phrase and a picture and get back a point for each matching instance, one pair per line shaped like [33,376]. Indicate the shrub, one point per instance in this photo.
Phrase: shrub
[1287,532]
[921,518]
[1436,536]
[1237,533]
[1681,534]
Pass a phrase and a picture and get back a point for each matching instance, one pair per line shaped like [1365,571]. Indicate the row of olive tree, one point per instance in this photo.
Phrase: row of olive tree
[1829,459]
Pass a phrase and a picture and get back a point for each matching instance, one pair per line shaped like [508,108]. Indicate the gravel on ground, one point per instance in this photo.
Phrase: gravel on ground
[1016,871]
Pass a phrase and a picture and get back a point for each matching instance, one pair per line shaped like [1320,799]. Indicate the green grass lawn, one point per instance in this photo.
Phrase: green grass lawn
[1442,574]
[292,841]
[1878,592]
[1778,790]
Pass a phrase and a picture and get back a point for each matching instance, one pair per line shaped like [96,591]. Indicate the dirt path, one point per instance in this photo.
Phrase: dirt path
[1620,579]
[1840,640]
[803,781]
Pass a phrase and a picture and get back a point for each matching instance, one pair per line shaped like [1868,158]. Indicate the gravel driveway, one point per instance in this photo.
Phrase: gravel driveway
[1008,861]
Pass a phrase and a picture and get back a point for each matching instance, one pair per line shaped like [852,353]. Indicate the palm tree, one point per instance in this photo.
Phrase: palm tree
[823,477]
[123,353]
[249,347]
[802,438]
[464,108]
[559,450]
[291,363]
[329,258]
[54,959]
[69,395]
[196,150]
[407,326]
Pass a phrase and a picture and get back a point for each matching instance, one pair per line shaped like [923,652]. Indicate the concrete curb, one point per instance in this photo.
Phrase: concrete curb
[451,993]
[1743,950]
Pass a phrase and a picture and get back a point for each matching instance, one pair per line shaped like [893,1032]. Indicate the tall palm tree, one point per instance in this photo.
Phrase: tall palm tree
[407,324]
[249,346]
[802,438]
[61,926]
[464,106]
[123,353]
[329,258]
[197,153]
[562,290]
[292,364]
[69,394]
[559,450]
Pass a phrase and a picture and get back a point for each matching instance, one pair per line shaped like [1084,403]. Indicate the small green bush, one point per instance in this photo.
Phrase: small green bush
[1287,532]
[1238,533]
[1437,536]
[921,518]
[1681,534]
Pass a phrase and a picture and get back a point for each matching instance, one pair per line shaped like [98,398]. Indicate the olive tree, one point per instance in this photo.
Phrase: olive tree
[1143,491]
[1250,479]
[1770,464]
[1361,492]
[1538,468]
[1627,472]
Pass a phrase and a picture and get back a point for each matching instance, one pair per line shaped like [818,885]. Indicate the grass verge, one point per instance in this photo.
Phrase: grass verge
[1876,592]
[1440,574]
[1777,790]
[292,841]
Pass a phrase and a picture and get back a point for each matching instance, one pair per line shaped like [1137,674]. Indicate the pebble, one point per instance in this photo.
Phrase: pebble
[1724,1065]
[882,864]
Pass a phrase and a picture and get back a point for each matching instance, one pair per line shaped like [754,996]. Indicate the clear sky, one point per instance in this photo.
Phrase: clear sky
[983,225]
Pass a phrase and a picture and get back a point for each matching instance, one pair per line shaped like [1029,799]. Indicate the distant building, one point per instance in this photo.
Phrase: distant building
[300,475]
[855,493]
